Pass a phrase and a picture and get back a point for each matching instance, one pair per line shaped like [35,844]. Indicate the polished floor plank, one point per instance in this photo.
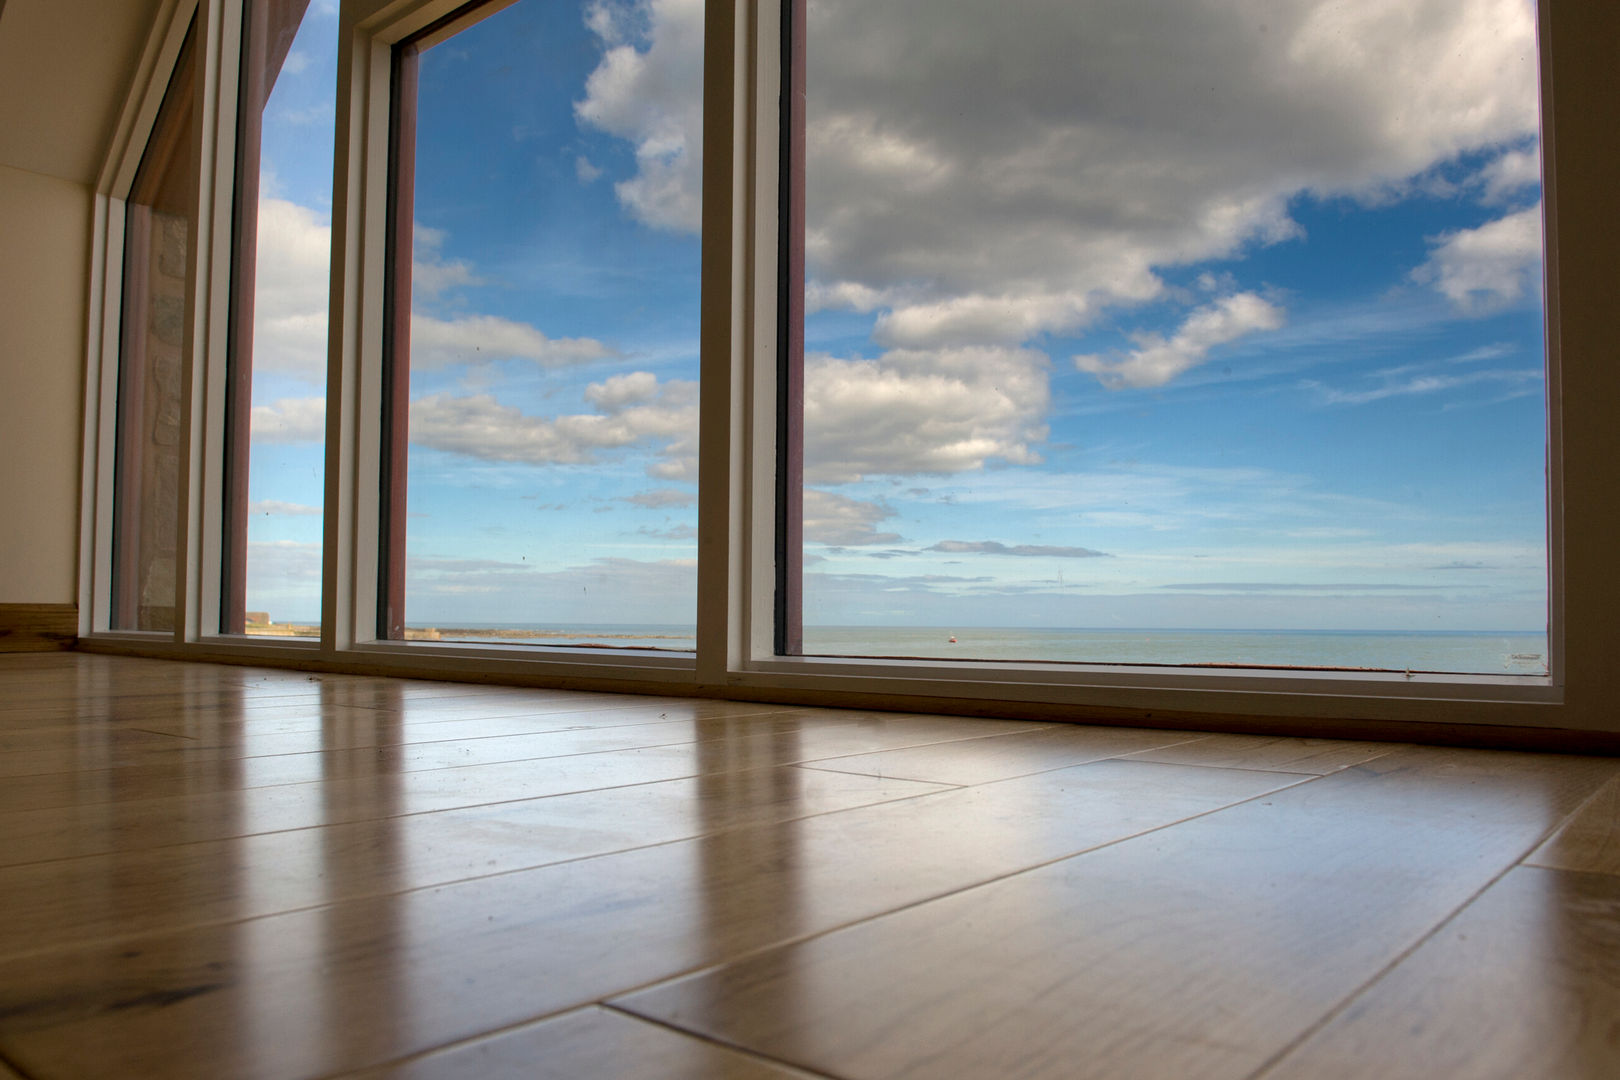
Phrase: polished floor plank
[1524,983]
[384,728]
[1284,754]
[486,707]
[334,755]
[101,746]
[237,733]
[592,1044]
[1198,951]
[1590,840]
[978,761]
[377,791]
[204,726]
[363,982]
[129,893]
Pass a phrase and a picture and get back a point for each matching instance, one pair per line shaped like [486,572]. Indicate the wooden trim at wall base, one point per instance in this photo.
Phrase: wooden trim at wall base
[38,627]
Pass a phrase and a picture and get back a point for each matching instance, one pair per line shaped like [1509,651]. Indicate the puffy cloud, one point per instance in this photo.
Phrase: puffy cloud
[648,89]
[993,547]
[290,420]
[1157,360]
[481,427]
[432,275]
[291,280]
[914,411]
[818,296]
[1513,172]
[980,320]
[1483,269]
[279,508]
[992,178]
[438,343]
[839,519]
[619,391]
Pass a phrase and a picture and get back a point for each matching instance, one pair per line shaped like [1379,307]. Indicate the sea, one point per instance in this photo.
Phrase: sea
[1460,652]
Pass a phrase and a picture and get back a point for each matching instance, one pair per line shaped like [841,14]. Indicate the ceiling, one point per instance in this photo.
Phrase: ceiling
[65,67]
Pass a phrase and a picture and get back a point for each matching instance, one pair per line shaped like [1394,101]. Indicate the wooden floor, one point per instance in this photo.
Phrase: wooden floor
[224,872]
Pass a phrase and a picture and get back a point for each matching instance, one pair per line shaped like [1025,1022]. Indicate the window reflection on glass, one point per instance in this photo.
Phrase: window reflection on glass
[541,465]
[276,403]
[1174,331]
[160,217]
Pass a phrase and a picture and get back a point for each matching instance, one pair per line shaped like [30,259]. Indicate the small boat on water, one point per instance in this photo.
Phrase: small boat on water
[1516,656]
[953,640]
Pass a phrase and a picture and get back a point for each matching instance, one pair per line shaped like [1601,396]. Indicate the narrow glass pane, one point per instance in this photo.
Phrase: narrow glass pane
[544,356]
[160,219]
[1175,332]
[277,400]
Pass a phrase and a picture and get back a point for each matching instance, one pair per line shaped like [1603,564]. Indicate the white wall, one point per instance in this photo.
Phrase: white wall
[65,66]
[44,260]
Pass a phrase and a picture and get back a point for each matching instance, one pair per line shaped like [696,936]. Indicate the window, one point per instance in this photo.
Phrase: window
[275,408]
[545,224]
[1172,332]
[541,461]
[159,226]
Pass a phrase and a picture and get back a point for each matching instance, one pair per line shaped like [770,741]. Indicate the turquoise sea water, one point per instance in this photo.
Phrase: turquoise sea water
[1485,653]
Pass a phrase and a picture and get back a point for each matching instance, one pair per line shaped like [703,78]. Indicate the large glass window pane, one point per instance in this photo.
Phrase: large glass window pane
[160,220]
[280,273]
[1173,331]
[542,397]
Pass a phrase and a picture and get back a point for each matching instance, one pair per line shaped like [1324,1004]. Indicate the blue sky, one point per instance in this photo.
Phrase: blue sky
[1242,329]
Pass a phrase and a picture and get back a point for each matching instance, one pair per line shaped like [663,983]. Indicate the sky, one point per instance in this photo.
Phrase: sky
[1135,313]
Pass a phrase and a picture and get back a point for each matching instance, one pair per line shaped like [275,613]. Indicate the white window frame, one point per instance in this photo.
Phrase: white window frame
[734,656]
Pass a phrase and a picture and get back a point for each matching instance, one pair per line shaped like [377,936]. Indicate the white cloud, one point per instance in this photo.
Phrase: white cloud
[587,173]
[1425,384]
[839,519]
[849,295]
[290,420]
[467,339]
[432,275]
[294,248]
[1513,172]
[652,96]
[995,547]
[619,391]
[911,411]
[444,591]
[293,266]
[662,499]
[1157,360]
[981,320]
[284,579]
[481,427]
[278,508]
[993,178]
[1483,269]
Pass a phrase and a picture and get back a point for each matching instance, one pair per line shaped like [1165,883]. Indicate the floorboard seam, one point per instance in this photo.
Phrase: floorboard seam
[1350,999]
[713,1041]
[9,1062]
